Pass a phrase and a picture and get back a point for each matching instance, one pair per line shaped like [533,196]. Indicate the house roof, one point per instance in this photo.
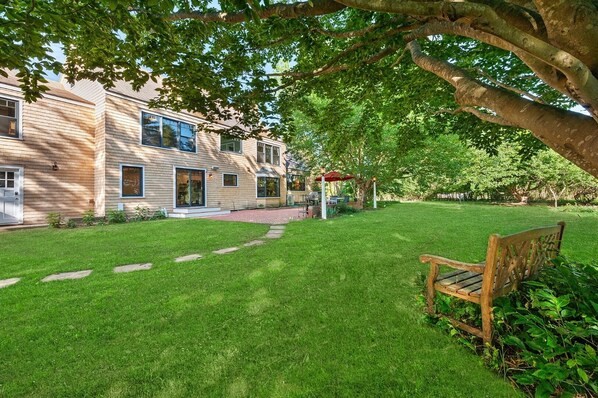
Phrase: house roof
[146,93]
[55,88]
[150,91]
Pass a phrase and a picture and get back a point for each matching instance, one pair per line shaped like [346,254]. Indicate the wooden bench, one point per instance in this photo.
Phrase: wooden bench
[509,260]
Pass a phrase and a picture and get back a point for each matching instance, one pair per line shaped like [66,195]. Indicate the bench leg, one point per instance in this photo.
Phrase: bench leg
[430,291]
[486,320]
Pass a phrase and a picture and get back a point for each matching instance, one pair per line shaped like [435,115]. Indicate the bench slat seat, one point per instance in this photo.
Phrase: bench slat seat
[509,261]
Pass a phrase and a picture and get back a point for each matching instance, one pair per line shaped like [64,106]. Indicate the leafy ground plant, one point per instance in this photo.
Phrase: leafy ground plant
[89,217]
[548,331]
[54,220]
[116,216]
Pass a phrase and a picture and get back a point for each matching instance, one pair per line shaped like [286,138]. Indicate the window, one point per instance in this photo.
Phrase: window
[167,133]
[268,187]
[230,180]
[9,118]
[131,178]
[267,153]
[228,143]
[296,182]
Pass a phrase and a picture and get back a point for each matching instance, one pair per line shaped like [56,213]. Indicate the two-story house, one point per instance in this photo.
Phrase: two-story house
[83,147]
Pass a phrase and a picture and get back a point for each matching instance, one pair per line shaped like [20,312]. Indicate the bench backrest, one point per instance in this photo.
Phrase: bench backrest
[514,258]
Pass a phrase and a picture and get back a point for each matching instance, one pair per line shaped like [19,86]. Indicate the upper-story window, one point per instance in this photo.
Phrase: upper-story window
[167,133]
[230,143]
[9,118]
[267,153]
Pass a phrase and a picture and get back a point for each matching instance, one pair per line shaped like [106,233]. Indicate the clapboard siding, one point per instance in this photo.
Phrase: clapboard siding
[58,131]
[123,146]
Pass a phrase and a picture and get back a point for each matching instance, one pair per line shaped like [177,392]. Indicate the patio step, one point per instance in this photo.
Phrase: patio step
[197,212]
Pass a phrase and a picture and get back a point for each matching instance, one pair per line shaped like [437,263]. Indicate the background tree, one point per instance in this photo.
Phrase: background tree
[435,167]
[501,176]
[516,63]
[346,137]
[559,176]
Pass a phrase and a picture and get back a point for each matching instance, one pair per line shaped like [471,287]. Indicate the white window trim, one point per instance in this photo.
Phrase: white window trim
[120,181]
[161,117]
[19,102]
[267,197]
[233,152]
[271,153]
[231,186]
[205,185]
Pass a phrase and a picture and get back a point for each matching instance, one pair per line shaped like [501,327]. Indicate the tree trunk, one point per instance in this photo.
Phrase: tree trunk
[554,196]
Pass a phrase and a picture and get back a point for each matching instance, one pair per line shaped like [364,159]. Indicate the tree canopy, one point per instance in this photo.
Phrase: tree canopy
[518,63]
[350,138]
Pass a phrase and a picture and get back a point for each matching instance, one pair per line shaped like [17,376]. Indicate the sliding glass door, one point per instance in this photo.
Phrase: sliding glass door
[190,188]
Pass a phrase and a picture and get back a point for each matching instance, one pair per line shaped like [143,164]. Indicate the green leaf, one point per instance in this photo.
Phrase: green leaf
[584,376]
[544,390]
[514,341]
[590,350]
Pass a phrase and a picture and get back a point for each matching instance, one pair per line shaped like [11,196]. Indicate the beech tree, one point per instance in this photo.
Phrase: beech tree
[518,63]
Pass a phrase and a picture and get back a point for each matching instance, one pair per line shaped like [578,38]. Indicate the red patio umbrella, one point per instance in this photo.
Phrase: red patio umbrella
[335,176]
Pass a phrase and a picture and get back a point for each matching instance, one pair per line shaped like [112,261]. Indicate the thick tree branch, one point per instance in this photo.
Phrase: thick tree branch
[282,10]
[523,19]
[488,117]
[573,26]
[546,72]
[571,134]
[329,68]
[353,33]
[510,88]
[583,85]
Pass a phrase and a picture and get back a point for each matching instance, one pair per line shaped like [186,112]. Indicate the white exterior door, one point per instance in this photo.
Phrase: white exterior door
[11,195]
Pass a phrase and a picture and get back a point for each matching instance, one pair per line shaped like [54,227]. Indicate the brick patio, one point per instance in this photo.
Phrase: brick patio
[263,216]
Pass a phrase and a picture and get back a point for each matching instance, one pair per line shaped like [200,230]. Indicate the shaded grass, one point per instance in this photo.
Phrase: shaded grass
[329,309]
[40,252]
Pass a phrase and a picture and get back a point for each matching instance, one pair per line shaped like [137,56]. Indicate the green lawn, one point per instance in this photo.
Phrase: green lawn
[330,309]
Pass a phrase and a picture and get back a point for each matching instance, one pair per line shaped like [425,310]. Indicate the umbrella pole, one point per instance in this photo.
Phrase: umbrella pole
[375,198]
[323,197]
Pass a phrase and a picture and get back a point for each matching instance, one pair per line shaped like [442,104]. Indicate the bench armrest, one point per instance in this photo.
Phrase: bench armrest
[437,260]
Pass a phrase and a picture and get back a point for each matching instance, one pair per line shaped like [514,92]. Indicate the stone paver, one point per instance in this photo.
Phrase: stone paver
[132,267]
[8,282]
[254,243]
[274,234]
[67,275]
[225,251]
[277,227]
[190,257]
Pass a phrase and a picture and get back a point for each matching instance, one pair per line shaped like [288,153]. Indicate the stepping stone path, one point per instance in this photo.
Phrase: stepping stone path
[225,251]
[67,275]
[8,282]
[190,257]
[254,243]
[275,231]
[132,267]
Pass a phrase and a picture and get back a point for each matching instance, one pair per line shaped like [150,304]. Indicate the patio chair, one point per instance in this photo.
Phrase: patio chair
[304,211]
